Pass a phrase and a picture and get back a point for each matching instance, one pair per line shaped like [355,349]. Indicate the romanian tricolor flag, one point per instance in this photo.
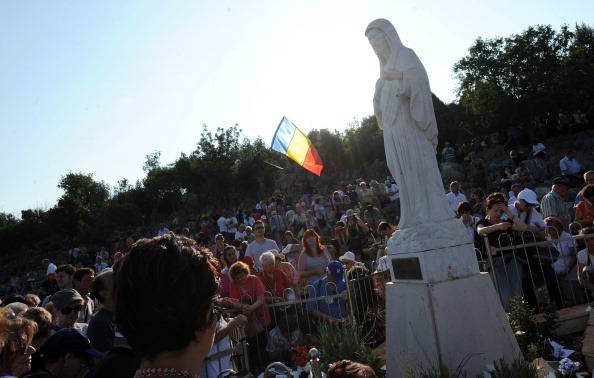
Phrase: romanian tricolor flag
[291,141]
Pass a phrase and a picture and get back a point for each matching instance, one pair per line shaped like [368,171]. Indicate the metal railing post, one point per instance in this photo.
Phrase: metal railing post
[492,266]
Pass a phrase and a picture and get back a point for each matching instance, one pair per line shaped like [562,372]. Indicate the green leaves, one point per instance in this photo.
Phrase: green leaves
[508,81]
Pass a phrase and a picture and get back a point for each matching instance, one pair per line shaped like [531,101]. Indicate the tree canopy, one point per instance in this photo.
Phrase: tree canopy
[527,77]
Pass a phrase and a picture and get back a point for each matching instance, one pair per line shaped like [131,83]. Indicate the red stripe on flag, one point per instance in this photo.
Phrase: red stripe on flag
[312,162]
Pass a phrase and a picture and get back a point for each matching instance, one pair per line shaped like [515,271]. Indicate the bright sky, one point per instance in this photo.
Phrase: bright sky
[95,86]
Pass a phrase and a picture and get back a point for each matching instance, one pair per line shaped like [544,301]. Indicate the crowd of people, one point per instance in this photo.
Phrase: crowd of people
[155,306]
[174,302]
[516,215]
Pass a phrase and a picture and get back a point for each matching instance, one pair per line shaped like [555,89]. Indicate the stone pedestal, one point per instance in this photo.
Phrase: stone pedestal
[441,311]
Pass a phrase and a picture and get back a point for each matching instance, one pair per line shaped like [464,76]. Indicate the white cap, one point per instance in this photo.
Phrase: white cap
[348,256]
[528,196]
[51,269]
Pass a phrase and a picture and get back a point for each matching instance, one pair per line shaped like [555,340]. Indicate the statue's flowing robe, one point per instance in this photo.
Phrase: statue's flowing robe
[404,110]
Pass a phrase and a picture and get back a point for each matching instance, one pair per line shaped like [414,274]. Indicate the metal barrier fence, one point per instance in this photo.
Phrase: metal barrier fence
[541,271]
[292,320]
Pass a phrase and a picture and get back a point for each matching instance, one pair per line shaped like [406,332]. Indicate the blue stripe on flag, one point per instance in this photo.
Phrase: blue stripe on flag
[282,137]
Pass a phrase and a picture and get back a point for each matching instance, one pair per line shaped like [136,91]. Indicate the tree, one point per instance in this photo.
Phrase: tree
[7,219]
[79,206]
[506,82]
[152,161]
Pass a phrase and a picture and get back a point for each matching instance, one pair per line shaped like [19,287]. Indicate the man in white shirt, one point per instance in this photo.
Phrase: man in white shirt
[50,267]
[220,356]
[232,224]
[222,224]
[240,233]
[569,165]
[260,245]
[455,197]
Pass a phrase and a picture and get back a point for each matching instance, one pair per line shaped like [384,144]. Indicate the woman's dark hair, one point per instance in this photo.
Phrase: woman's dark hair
[164,290]
[463,207]
[587,192]
[99,284]
[227,248]
[495,199]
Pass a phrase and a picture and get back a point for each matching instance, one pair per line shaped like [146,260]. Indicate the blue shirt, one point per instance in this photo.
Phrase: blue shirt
[334,307]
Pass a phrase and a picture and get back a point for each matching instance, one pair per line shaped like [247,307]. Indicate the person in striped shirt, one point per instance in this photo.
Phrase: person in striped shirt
[553,204]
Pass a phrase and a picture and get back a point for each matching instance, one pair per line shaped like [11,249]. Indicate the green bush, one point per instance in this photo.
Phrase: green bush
[533,337]
[348,343]
[517,369]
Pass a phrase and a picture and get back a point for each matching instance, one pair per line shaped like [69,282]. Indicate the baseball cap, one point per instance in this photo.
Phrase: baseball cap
[348,256]
[65,297]
[562,180]
[68,340]
[336,270]
[528,196]
[217,236]
[350,212]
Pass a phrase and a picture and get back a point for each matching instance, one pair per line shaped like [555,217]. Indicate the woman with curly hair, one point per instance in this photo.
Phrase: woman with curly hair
[16,352]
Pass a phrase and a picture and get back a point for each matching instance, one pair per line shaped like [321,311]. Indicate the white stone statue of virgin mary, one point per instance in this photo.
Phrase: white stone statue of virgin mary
[404,110]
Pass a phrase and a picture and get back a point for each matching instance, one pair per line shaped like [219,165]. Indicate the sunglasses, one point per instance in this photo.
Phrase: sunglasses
[258,228]
[68,310]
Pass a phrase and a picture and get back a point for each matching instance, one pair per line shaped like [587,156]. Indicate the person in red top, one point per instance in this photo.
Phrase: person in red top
[275,280]
[246,293]
[584,211]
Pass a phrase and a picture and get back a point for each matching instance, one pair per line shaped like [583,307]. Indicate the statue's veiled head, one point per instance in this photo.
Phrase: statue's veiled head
[383,38]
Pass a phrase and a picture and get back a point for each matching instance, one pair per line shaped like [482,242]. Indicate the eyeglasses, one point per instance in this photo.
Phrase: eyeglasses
[258,228]
[68,310]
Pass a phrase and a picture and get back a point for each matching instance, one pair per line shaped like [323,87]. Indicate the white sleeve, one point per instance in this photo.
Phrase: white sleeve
[537,219]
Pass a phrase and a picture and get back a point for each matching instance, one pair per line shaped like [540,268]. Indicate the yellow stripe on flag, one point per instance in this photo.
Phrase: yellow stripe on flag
[298,147]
